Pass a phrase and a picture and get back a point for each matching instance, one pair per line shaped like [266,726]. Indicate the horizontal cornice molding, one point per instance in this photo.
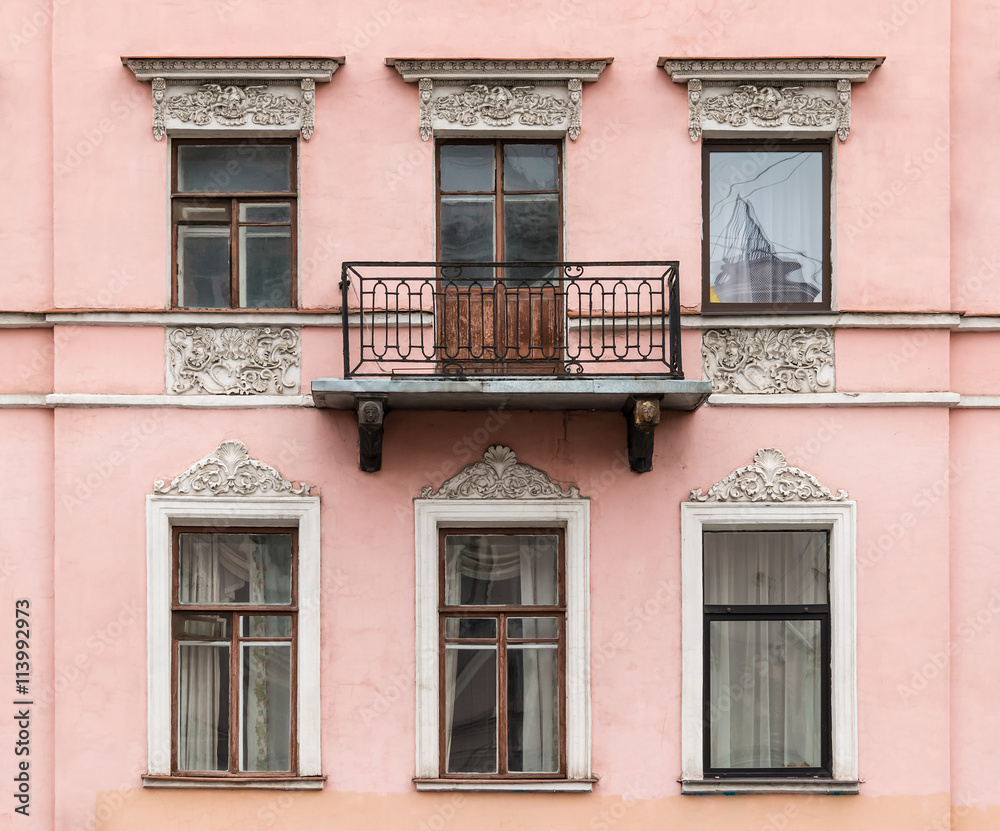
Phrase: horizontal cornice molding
[527,69]
[856,70]
[233,69]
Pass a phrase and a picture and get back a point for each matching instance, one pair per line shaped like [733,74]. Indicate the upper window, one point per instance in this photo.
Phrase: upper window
[502,623]
[233,209]
[766,226]
[234,622]
[499,201]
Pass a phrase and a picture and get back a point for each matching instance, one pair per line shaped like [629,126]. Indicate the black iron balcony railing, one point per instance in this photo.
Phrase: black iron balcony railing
[538,318]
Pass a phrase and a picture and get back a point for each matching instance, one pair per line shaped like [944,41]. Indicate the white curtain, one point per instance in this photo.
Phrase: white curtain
[215,569]
[765,696]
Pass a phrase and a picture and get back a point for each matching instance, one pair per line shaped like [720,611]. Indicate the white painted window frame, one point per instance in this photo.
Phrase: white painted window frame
[839,519]
[573,515]
[162,514]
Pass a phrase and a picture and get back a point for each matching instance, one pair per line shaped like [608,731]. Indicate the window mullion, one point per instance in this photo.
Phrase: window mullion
[234,261]
[502,694]
[234,694]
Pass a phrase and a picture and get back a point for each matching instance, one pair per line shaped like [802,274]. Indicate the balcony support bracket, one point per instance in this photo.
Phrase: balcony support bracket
[370,408]
[642,414]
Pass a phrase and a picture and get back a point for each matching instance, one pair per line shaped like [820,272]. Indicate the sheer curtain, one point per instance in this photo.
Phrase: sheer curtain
[765,695]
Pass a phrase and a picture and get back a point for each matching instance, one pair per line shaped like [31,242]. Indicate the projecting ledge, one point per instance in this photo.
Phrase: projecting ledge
[639,398]
[609,393]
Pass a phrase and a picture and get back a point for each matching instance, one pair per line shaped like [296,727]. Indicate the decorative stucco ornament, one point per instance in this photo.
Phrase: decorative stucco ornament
[233,361]
[501,106]
[800,96]
[768,479]
[493,96]
[768,360]
[258,94]
[230,470]
[500,476]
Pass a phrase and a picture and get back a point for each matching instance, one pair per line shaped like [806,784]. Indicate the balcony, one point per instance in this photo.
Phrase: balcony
[517,336]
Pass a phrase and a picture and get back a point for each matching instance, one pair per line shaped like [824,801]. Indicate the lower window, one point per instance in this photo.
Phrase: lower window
[234,621]
[502,635]
[767,653]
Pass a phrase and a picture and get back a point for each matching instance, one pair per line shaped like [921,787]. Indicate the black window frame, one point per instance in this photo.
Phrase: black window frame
[768,612]
[825,148]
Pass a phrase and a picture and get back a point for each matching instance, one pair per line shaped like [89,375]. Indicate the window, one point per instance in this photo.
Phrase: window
[233,629]
[234,623]
[769,700]
[767,653]
[503,616]
[500,201]
[766,226]
[503,652]
[233,210]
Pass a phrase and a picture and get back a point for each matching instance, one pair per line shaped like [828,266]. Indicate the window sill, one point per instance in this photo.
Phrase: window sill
[775,785]
[540,785]
[283,783]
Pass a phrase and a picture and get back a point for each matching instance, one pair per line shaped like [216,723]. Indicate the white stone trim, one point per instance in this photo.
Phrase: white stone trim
[755,97]
[839,518]
[232,96]
[22,400]
[571,514]
[198,402]
[500,96]
[978,402]
[537,786]
[842,320]
[837,399]
[162,513]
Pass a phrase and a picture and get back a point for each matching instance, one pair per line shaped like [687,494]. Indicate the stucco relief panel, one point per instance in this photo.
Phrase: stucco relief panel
[768,360]
[203,360]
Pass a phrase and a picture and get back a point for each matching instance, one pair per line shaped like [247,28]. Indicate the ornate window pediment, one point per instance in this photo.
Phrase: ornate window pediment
[500,476]
[258,95]
[466,96]
[806,97]
[768,479]
[230,470]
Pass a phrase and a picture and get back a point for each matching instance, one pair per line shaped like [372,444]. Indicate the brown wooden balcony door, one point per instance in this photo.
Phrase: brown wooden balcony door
[499,201]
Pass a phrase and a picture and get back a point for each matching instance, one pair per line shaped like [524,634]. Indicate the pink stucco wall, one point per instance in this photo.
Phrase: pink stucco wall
[916,231]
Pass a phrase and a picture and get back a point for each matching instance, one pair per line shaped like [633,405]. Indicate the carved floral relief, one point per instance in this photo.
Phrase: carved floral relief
[230,470]
[500,476]
[233,361]
[233,106]
[768,479]
[768,360]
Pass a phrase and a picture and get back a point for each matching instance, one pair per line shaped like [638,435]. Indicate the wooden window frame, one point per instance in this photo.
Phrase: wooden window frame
[234,611]
[233,200]
[822,146]
[446,612]
[498,191]
[764,612]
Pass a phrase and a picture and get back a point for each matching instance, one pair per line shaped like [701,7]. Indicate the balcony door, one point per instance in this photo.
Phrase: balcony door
[499,201]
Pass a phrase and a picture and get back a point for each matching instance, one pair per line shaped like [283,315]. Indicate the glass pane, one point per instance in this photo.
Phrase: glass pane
[233,168]
[202,627]
[470,709]
[765,704]
[533,627]
[266,212]
[265,626]
[766,567]
[203,707]
[265,266]
[266,708]
[207,210]
[468,167]
[502,569]
[235,568]
[203,266]
[530,167]
[531,233]
[470,627]
[765,226]
[467,236]
[532,709]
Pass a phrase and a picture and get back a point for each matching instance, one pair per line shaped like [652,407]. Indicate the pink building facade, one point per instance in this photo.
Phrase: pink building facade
[314,519]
